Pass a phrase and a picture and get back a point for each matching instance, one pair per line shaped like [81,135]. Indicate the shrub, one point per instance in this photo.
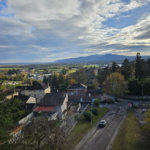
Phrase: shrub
[96,102]
[95,112]
[87,116]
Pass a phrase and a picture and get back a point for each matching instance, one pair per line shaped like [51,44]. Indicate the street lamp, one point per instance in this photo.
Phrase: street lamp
[142,91]
[91,114]
[114,86]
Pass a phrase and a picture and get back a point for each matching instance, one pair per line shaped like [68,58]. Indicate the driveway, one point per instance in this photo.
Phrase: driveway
[103,138]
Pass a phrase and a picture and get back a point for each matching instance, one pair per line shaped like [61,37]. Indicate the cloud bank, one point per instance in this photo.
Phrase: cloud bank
[47,30]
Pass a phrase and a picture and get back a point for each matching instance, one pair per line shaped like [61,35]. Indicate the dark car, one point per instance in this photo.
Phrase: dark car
[102,123]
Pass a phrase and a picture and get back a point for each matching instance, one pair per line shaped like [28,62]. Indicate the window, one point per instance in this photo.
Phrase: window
[89,94]
[34,95]
[40,95]
[71,93]
[81,99]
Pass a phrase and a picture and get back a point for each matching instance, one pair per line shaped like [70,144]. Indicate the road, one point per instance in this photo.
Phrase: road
[102,138]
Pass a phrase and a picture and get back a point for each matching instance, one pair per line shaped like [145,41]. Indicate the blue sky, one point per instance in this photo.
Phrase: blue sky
[49,30]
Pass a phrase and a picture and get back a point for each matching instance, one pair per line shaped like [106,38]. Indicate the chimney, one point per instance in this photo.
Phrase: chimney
[31,83]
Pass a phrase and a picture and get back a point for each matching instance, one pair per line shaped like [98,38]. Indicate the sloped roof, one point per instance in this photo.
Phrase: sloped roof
[44,108]
[38,86]
[31,100]
[77,86]
[53,99]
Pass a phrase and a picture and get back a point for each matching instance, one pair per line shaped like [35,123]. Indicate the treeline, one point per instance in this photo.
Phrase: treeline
[60,82]
[137,74]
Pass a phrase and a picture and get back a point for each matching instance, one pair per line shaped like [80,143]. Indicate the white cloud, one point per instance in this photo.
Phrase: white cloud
[47,27]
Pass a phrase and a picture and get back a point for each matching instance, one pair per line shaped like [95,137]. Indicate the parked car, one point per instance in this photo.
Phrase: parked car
[102,123]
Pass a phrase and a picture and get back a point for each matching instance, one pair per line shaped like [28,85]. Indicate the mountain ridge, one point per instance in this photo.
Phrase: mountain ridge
[100,58]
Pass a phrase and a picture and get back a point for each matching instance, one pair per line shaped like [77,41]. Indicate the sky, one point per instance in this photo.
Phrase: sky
[49,30]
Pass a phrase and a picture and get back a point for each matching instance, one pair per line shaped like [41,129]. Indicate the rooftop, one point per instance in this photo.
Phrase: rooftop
[44,108]
[38,86]
[53,99]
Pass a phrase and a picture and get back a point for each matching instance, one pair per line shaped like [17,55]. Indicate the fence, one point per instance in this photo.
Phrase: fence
[53,117]
[25,119]
[135,97]
[79,107]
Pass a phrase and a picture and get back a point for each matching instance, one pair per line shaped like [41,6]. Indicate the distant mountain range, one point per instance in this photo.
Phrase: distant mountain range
[99,58]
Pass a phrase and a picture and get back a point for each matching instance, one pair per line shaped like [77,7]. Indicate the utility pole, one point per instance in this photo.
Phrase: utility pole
[114,86]
[142,91]
[91,114]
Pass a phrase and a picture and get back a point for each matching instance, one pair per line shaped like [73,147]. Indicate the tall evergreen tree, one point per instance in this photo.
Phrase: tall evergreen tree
[114,67]
[139,67]
[126,69]
[148,68]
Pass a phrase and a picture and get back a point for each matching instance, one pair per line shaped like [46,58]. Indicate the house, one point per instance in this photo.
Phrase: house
[28,102]
[37,90]
[10,93]
[52,103]
[79,93]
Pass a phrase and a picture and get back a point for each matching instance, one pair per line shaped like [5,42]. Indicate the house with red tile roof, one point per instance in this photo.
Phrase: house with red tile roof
[52,103]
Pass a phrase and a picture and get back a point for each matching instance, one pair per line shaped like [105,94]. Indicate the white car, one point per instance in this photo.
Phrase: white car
[102,123]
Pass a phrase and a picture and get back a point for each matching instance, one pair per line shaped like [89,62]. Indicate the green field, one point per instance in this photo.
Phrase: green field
[83,126]
[72,70]
[9,68]
[129,137]
[88,66]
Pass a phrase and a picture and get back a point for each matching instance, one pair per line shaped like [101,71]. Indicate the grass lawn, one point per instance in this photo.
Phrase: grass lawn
[129,137]
[83,125]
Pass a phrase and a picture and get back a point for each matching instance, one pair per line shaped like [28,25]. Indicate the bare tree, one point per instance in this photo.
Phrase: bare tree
[41,134]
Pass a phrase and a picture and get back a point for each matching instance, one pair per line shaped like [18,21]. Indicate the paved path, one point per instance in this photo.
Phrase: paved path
[102,138]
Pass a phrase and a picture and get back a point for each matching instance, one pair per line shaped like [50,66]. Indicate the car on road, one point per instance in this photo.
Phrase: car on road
[102,123]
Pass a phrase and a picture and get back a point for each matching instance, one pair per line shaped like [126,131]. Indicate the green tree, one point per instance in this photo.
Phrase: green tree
[114,67]
[88,116]
[64,71]
[94,111]
[10,113]
[146,86]
[139,67]
[134,86]
[126,69]
[93,85]
[148,68]
[96,102]
[115,84]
